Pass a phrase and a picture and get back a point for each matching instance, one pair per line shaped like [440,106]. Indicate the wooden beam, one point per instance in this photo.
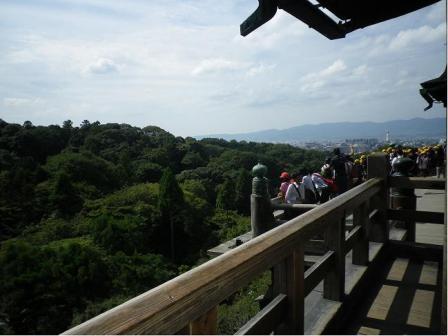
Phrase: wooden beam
[417,216]
[418,251]
[316,273]
[267,319]
[294,207]
[417,182]
[334,280]
[352,239]
[361,220]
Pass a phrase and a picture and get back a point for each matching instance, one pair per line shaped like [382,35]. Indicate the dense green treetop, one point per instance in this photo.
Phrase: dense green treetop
[90,215]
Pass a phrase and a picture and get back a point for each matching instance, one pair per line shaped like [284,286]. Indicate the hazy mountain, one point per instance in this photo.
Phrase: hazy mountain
[417,127]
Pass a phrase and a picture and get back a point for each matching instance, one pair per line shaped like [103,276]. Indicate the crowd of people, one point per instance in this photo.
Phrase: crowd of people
[338,173]
[341,172]
[428,160]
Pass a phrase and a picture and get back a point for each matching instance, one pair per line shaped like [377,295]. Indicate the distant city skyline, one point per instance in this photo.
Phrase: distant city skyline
[181,65]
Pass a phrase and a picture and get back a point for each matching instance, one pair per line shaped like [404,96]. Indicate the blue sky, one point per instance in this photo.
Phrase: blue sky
[182,65]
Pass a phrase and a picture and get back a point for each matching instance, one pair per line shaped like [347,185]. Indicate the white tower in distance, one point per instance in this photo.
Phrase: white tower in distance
[387,137]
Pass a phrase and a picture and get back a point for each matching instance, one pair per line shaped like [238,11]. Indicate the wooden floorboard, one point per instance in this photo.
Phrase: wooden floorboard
[402,303]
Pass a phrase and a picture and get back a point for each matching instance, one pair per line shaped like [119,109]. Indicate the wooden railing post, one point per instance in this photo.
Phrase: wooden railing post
[404,198]
[207,324]
[378,166]
[288,279]
[360,254]
[261,217]
[334,281]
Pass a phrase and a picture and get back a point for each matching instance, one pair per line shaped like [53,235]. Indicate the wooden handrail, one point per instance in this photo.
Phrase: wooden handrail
[169,307]
[416,182]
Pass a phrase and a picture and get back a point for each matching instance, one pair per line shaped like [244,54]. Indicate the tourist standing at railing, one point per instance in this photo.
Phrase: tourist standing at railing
[412,154]
[398,153]
[339,170]
[423,163]
[440,161]
[323,189]
[357,177]
[295,193]
[431,161]
[309,188]
[326,170]
[285,181]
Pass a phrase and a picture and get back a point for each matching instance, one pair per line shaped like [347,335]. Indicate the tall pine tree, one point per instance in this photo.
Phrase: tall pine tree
[243,189]
[171,204]
[225,199]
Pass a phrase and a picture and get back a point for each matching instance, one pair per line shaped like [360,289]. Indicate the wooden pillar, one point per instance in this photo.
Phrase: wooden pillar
[261,217]
[404,198]
[207,324]
[361,248]
[288,279]
[334,280]
[378,166]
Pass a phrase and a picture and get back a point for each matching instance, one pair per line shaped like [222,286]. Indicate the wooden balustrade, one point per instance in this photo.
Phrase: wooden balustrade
[193,296]
[188,303]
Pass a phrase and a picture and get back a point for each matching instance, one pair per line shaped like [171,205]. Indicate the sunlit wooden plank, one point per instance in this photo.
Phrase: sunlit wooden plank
[429,273]
[368,331]
[398,269]
[382,303]
[421,309]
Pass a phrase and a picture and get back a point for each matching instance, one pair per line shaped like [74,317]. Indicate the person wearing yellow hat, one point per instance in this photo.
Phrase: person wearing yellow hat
[423,163]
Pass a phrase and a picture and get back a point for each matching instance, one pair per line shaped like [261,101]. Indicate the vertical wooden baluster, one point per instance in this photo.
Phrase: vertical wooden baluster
[295,290]
[378,166]
[288,279]
[207,324]
[334,239]
[361,247]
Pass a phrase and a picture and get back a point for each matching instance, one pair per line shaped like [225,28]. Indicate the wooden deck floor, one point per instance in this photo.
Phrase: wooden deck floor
[407,298]
[405,301]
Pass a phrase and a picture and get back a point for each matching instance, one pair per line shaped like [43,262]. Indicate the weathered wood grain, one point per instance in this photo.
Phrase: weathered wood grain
[316,273]
[353,237]
[361,245]
[207,324]
[377,167]
[335,277]
[264,322]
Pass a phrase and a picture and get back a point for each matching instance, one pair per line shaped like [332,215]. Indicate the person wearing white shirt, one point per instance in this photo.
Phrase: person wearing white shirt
[295,192]
[310,190]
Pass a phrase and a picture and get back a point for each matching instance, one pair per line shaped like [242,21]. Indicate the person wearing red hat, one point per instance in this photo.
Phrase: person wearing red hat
[285,181]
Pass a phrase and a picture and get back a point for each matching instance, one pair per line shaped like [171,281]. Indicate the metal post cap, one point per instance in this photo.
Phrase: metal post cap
[259,170]
[403,165]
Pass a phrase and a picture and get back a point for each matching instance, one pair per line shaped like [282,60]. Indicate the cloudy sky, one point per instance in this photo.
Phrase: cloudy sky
[182,65]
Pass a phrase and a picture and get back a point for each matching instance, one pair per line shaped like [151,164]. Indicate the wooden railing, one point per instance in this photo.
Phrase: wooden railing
[188,303]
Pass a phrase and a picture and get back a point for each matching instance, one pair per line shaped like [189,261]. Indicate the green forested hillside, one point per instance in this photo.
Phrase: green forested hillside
[91,216]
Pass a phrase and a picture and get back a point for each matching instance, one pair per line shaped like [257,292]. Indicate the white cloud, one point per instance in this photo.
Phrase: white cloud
[260,69]
[218,65]
[360,70]
[102,66]
[336,67]
[424,34]
[21,102]
[317,80]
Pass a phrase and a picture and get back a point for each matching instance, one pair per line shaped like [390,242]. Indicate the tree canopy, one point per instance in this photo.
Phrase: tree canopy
[93,215]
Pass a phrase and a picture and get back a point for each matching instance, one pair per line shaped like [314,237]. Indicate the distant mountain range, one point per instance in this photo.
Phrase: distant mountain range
[398,129]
